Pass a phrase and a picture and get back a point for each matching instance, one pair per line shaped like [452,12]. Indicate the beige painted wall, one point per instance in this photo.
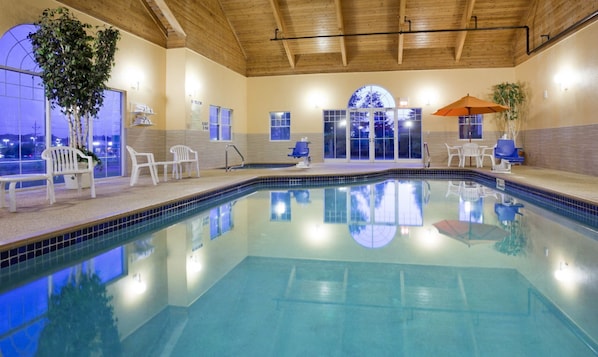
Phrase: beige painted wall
[575,58]
[305,96]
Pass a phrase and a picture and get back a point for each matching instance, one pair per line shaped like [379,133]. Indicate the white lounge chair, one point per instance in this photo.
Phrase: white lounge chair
[184,155]
[66,160]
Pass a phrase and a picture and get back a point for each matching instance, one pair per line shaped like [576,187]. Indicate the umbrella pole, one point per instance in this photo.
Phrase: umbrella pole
[469,128]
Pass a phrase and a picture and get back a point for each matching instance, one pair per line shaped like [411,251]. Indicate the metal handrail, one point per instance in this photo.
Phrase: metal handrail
[427,157]
[226,167]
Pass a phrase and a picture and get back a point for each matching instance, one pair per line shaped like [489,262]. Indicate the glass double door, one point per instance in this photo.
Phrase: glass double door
[372,134]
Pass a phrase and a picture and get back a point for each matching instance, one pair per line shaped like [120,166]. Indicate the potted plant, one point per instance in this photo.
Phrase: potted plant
[514,96]
[76,60]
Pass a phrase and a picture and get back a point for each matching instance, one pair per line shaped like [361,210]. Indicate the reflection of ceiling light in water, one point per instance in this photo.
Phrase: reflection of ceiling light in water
[467,206]
[195,263]
[563,273]
[140,285]
[429,238]
[280,208]
[316,232]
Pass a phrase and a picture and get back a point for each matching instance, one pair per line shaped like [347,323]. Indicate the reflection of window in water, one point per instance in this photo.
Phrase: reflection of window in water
[195,231]
[335,205]
[141,249]
[221,220]
[280,206]
[377,209]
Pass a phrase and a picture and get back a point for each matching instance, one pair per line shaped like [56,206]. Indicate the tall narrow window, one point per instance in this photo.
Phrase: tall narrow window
[220,123]
[470,127]
[280,126]
[335,134]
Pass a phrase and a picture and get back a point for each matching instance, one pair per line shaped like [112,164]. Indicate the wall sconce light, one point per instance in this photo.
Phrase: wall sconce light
[135,78]
[565,79]
[140,287]
[403,101]
[193,89]
[135,85]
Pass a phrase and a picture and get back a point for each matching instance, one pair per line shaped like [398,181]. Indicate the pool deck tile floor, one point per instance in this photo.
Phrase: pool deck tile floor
[36,219]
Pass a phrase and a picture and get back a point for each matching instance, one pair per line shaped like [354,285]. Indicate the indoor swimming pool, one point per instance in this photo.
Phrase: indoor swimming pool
[392,267]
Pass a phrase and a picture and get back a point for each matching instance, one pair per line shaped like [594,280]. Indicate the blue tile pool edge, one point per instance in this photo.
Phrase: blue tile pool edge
[98,231]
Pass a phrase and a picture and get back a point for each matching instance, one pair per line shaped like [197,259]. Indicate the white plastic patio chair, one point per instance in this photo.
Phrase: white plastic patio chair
[147,161]
[471,150]
[66,160]
[184,155]
[488,152]
[452,152]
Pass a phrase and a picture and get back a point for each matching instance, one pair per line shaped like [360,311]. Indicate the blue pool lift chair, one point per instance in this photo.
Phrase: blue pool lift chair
[507,212]
[506,152]
[301,150]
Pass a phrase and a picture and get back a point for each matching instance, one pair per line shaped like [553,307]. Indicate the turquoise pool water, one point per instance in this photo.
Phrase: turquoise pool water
[387,268]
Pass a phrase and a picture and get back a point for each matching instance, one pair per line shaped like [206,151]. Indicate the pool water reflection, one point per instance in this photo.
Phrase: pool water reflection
[364,269]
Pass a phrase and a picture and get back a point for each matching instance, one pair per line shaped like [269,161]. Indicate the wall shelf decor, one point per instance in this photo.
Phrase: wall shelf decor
[141,115]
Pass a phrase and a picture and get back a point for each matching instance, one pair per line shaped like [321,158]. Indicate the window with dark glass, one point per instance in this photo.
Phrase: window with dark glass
[470,127]
[280,126]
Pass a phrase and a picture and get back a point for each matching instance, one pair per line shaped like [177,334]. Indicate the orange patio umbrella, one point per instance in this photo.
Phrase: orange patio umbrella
[469,105]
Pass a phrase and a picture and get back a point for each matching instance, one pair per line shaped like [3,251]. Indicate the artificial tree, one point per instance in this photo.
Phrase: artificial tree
[514,96]
[76,60]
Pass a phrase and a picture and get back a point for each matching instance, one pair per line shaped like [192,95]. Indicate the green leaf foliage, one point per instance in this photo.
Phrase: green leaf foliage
[76,60]
[80,321]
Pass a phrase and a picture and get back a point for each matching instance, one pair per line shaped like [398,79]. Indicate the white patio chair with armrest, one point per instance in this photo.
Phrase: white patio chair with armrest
[66,160]
[184,155]
[470,150]
[488,152]
[452,152]
[147,161]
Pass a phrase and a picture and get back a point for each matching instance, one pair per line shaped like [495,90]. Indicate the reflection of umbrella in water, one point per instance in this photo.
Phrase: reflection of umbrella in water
[470,232]
[467,106]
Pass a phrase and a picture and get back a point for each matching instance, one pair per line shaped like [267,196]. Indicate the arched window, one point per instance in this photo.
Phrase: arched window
[22,119]
[371,96]
[15,49]
[24,130]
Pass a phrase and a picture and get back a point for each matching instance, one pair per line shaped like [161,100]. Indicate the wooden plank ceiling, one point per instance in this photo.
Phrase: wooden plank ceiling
[278,37]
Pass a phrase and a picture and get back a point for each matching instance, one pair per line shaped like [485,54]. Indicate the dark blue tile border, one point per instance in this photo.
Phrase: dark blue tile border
[105,233]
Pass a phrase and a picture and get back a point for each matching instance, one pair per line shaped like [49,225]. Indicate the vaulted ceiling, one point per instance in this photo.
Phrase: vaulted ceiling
[278,37]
